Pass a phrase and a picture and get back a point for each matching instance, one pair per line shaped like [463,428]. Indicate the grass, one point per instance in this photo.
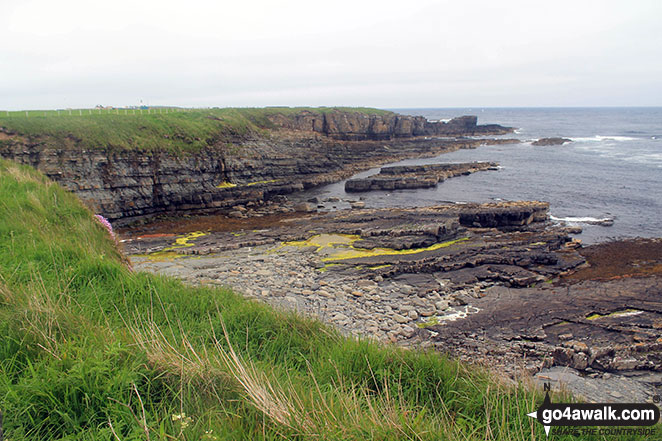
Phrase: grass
[93,351]
[181,130]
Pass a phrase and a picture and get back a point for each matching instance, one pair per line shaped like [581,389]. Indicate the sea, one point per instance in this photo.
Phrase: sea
[608,180]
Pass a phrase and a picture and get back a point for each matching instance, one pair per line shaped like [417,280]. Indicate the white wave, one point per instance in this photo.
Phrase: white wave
[584,220]
[518,131]
[600,138]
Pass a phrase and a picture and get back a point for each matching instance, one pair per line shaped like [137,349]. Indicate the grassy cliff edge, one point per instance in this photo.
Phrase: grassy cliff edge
[179,130]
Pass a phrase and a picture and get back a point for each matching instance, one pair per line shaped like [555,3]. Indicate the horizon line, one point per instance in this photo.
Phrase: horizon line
[341,106]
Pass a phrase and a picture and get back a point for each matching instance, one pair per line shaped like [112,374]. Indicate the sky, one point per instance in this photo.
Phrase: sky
[387,54]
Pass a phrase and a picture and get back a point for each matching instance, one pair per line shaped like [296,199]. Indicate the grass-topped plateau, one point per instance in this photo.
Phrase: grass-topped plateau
[93,351]
[176,130]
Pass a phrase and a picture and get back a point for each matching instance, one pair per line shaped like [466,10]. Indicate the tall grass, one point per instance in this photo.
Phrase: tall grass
[91,350]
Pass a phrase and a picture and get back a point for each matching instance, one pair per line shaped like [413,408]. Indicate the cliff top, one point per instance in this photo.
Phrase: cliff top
[189,130]
[149,129]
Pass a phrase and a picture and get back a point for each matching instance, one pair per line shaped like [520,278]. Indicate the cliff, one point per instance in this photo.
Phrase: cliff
[359,126]
[228,161]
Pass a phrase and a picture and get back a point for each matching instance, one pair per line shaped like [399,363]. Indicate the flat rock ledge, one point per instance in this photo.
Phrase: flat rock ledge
[486,283]
[415,176]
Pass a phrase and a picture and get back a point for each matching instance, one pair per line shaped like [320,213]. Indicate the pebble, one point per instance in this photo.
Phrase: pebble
[400,318]
[407,331]
[355,304]
[442,305]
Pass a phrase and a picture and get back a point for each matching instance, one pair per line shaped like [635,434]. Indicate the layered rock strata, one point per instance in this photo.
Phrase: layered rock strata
[359,126]
[415,176]
[255,168]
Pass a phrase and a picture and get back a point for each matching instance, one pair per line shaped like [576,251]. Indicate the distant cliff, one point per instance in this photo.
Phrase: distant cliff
[229,161]
[358,126]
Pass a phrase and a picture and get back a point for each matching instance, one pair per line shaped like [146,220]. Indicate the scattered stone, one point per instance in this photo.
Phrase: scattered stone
[441,305]
[400,318]
[306,207]
[407,331]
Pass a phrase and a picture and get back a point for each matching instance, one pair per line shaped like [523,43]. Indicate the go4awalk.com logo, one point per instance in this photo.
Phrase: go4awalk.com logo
[598,418]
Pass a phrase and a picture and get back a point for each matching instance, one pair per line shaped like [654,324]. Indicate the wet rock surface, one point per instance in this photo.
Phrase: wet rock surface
[551,141]
[500,288]
[415,176]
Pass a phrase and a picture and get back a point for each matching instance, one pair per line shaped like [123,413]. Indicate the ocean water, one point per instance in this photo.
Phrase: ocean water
[611,170]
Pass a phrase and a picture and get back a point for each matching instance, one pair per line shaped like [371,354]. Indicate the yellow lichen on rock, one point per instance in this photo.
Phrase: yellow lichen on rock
[183,241]
[340,247]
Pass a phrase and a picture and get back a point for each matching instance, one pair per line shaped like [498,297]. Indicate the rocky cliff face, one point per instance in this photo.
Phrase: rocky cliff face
[358,126]
[127,184]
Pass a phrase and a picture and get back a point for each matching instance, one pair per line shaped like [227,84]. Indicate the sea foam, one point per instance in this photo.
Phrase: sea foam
[584,220]
[600,138]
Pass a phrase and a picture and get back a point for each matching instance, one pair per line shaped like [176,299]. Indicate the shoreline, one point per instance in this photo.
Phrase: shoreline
[398,296]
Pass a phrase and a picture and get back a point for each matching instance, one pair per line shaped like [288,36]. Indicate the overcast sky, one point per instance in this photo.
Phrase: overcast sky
[389,54]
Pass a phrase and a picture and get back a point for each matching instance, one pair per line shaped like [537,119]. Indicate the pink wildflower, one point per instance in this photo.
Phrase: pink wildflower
[103,221]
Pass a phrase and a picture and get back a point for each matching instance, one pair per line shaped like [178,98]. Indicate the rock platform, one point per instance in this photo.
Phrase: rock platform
[496,284]
[415,176]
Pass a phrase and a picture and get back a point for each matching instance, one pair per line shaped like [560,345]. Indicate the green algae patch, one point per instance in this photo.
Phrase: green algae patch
[621,313]
[324,241]
[334,247]
[169,253]
[327,267]
[226,185]
[433,321]
[270,181]
[378,267]
[355,253]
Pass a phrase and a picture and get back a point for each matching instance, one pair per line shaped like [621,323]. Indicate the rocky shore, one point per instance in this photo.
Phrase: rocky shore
[498,284]
[373,272]
[415,176]
[493,283]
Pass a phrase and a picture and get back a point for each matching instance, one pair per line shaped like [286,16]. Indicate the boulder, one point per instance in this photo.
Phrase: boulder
[551,141]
